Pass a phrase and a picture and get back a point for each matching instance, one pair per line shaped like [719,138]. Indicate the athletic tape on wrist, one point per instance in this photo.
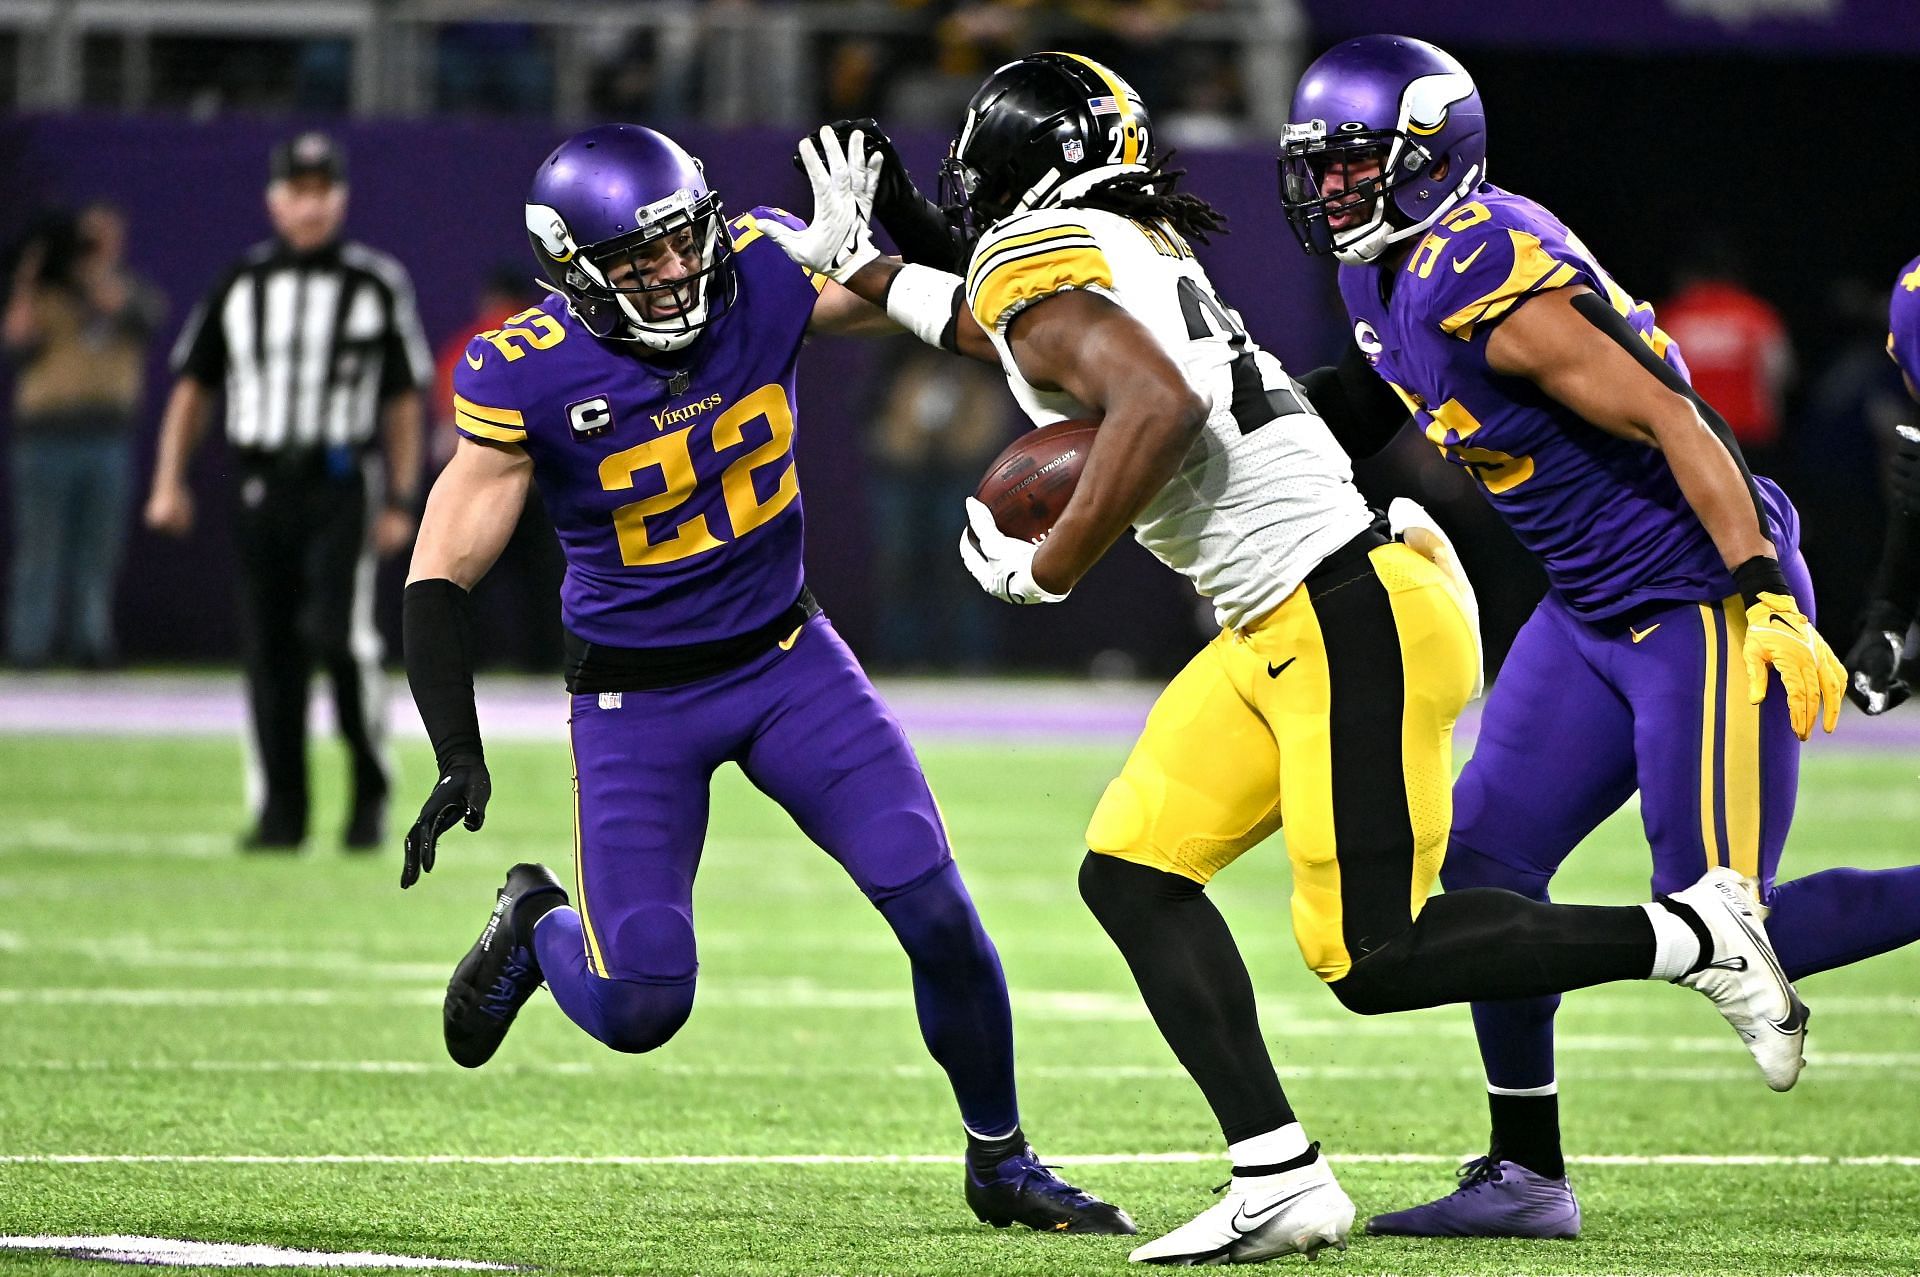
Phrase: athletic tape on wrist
[922,300]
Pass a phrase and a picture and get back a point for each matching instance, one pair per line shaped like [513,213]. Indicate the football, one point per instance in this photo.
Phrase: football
[1028,485]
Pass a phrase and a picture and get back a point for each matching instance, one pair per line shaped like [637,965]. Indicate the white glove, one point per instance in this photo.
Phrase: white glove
[1413,525]
[838,242]
[1003,565]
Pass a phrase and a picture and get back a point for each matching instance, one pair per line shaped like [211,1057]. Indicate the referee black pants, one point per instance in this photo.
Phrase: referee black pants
[303,524]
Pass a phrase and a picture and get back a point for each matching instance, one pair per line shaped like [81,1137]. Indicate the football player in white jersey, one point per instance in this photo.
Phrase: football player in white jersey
[1344,654]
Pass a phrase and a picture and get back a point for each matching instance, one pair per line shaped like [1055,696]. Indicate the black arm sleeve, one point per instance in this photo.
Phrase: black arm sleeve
[1359,406]
[1896,582]
[924,235]
[437,638]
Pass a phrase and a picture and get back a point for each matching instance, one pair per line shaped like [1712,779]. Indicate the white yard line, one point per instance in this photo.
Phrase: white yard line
[894,1159]
[1863,1062]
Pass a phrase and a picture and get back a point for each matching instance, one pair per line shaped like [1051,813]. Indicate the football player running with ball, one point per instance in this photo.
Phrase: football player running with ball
[651,401]
[1676,578]
[1343,658]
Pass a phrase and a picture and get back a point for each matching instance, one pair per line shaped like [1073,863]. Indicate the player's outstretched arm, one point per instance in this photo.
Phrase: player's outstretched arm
[1580,351]
[470,514]
[1876,682]
[1088,346]
[838,243]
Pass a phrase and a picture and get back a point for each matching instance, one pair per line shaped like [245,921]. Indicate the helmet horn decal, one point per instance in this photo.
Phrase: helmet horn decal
[549,230]
[1423,108]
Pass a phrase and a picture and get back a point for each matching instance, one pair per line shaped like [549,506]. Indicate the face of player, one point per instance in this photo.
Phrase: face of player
[1344,173]
[307,210]
[662,276]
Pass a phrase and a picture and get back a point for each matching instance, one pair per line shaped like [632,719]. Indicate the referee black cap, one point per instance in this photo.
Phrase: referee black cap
[311,152]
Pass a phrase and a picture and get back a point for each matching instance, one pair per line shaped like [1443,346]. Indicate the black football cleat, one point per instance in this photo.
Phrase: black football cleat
[1022,1191]
[500,972]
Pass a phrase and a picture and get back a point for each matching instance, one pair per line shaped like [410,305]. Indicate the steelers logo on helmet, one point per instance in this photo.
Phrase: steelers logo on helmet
[1386,134]
[1042,130]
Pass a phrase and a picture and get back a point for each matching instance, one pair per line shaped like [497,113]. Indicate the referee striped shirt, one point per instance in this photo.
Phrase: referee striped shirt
[307,345]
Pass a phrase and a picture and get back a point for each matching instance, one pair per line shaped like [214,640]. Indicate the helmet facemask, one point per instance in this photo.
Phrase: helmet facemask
[1308,154]
[613,289]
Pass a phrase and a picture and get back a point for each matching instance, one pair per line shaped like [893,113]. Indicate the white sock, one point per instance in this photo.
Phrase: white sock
[1676,948]
[1269,1148]
[1525,1092]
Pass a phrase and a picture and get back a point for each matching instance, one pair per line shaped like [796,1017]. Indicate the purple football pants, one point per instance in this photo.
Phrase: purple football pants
[811,733]
[1582,715]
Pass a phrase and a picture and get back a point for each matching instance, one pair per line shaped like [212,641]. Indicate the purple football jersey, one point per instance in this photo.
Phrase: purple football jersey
[669,478]
[1604,515]
[1903,322]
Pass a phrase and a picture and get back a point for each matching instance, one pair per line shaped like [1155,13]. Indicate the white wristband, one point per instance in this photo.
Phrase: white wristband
[920,299]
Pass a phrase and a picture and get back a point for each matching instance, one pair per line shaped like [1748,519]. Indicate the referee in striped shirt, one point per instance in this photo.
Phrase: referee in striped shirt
[316,344]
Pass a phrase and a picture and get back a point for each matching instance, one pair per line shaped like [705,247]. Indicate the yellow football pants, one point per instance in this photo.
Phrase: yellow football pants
[1336,710]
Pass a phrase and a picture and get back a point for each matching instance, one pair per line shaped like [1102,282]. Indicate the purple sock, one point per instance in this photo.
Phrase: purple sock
[1840,916]
[961,996]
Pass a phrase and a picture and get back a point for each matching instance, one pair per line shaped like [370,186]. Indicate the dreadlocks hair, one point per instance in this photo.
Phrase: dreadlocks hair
[1150,196]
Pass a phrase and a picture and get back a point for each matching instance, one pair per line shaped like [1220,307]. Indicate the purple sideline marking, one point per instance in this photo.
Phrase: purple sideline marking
[535,709]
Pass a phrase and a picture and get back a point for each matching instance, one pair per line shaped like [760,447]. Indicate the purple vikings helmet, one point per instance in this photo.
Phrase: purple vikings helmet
[1390,98]
[619,194]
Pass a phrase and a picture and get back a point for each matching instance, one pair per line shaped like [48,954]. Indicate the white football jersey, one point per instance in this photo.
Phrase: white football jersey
[1266,493]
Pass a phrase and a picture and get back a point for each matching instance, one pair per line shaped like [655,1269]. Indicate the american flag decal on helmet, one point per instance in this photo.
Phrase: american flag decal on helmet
[1104,106]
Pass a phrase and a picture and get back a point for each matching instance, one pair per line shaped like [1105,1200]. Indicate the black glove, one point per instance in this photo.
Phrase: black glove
[924,234]
[1903,472]
[462,793]
[1874,677]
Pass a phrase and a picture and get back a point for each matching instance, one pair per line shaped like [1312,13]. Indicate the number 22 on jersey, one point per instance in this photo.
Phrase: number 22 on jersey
[647,538]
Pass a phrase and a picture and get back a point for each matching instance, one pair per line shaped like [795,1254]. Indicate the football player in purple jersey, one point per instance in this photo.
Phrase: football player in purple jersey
[651,401]
[1676,579]
[1881,667]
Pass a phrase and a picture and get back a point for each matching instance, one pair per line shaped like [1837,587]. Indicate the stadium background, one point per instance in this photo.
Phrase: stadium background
[1659,129]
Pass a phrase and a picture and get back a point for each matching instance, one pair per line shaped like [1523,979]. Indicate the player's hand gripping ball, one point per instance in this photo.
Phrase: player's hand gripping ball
[1016,506]
[1029,484]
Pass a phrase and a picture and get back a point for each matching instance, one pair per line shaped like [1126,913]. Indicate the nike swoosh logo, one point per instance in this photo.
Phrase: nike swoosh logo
[1795,1020]
[786,644]
[1640,634]
[471,361]
[1273,671]
[1460,264]
[1247,1223]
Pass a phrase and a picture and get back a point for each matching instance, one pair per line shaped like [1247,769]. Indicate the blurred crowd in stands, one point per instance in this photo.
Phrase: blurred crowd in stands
[910,62]
[1811,393]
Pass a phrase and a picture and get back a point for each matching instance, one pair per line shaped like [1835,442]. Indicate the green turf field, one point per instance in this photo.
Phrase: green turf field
[164,998]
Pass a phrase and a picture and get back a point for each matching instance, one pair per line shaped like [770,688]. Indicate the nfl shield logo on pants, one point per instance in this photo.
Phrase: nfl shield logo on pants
[1074,150]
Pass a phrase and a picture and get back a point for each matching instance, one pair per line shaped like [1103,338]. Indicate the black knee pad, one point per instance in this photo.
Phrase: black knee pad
[1114,888]
[1368,986]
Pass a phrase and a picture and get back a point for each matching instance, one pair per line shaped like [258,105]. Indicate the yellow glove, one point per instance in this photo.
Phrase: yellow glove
[1778,634]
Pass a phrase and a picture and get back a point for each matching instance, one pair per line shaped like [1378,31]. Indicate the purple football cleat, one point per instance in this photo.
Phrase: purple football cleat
[1495,1199]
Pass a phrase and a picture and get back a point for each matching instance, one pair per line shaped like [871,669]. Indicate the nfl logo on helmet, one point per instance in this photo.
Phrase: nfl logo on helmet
[1073,150]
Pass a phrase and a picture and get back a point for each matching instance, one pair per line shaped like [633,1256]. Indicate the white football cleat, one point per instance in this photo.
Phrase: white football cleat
[1744,978]
[1261,1217]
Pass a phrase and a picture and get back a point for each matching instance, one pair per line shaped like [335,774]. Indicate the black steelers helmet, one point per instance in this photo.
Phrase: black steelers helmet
[1048,126]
